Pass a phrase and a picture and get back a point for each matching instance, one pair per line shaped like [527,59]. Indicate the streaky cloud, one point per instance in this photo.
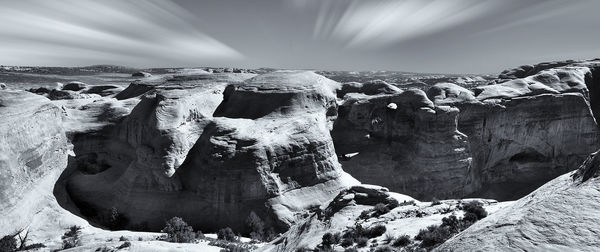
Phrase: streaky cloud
[144,32]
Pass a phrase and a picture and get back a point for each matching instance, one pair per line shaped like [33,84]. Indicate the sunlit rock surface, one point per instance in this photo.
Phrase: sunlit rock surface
[266,149]
[33,153]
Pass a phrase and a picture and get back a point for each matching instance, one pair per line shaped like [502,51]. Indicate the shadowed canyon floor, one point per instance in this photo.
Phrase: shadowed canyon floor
[294,147]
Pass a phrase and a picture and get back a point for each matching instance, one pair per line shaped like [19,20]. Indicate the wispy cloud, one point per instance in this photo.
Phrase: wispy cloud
[141,32]
[373,24]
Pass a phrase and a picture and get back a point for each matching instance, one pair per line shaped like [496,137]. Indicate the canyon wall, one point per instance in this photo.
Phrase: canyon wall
[454,142]
[33,153]
[211,149]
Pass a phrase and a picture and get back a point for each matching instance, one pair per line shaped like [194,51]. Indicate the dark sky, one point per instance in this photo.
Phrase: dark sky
[450,36]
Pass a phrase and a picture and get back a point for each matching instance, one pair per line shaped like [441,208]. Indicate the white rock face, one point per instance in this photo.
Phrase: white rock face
[33,149]
[266,148]
[562,215]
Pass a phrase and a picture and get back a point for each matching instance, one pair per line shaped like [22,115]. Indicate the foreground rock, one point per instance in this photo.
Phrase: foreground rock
[33,153]
[365,207]
[559,216]
[453,142]
[267,150]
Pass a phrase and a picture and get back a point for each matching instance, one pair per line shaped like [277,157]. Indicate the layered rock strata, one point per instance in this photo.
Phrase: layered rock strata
[266,149]
[455,142]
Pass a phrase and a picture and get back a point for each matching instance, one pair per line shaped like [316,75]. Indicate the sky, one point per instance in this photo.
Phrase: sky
[433,36]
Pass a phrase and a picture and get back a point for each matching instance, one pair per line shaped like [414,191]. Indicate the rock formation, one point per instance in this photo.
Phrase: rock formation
[559,216]
[141,74]
[33,153]
[266,149]
[426,149]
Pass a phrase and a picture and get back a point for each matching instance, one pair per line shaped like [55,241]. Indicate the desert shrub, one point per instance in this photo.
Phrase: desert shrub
[234,248]
[226,234]
[33,246]
[433,235]
[123,238]
[178,231]
[365,214]
[8,243]
[270,234]
[408,203]
[435,202]
[140,239]
[393,204]
[476,208]
[124,245]
[383,249]
[346,242]
[401,241]
[331,239]
[256,226]
[112,219]
[362,241]
[380,209]
[470,217]
[388,238]
[375,231]
[199,235]
[454,224]
[71,238]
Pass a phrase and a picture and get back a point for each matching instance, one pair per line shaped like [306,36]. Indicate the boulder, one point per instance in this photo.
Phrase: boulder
[104,90]
[55,94]
[74,86]
[376,87]
[141,74]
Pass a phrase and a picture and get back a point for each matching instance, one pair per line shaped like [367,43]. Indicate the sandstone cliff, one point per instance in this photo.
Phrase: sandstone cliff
[559,216]
[33,153]
[517,134]
[266,149]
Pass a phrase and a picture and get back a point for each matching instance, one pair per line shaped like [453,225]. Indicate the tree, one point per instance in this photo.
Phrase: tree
[226,234]
[178,231]
[256,226]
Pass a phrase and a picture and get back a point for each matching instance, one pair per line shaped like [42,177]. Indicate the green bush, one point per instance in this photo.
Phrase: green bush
[125,245]
[433,235]
[380,209]
[330,239]
[8,243]
[256,226]
[346,242]
[362,241]
[401,241]
[375,231]
[384,249]
[178,231]
[71,238]
[476,208]
[226,234]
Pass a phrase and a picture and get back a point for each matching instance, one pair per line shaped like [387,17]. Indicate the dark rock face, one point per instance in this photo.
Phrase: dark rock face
[517,134]
[74,86]
[559,216]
